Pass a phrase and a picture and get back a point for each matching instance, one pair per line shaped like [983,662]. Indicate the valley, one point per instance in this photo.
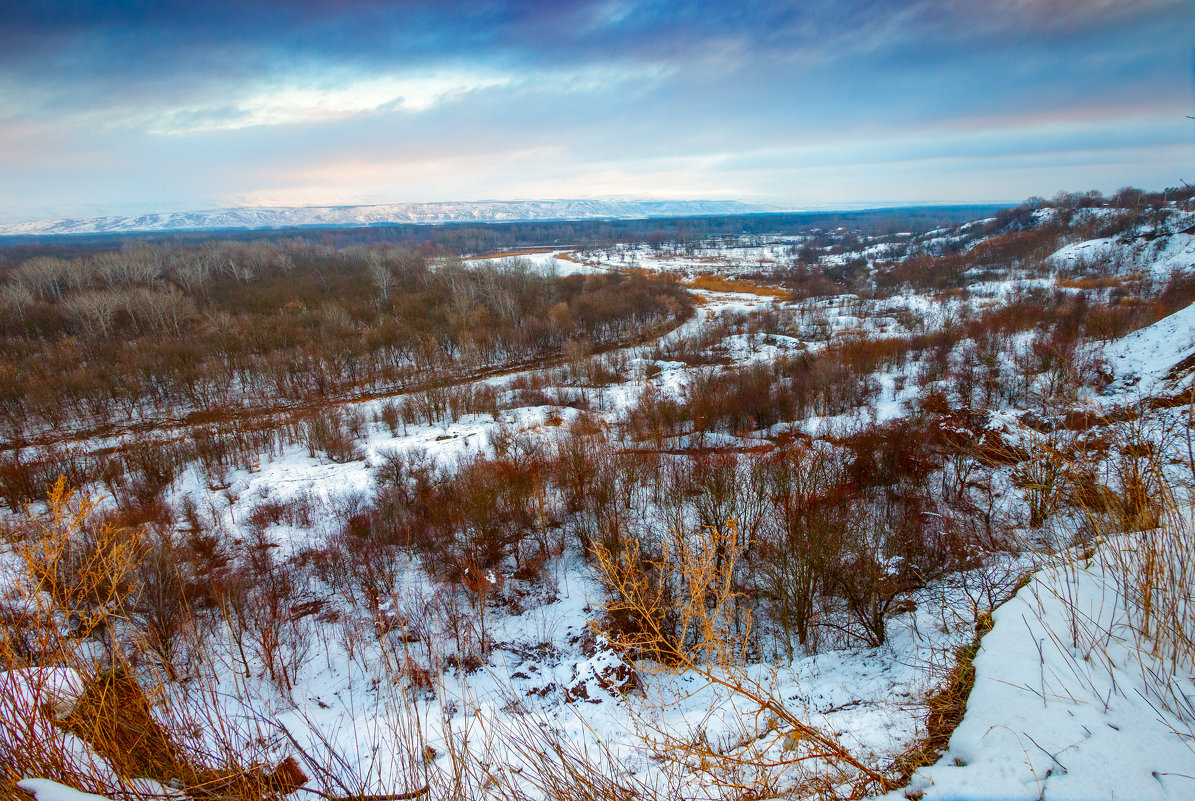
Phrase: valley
[733,516]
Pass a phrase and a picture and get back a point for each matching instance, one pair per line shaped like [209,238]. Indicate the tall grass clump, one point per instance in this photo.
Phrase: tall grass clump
[80,703]
[1128,531]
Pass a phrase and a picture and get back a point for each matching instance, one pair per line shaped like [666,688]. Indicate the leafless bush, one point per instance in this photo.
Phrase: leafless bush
[333,433]
[781,750]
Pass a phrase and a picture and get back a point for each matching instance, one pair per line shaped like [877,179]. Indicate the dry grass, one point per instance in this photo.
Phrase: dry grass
[717,283]
[1137,535]
[84,710]
[70,707]
[946,707]
[1100,282]
[643,272]
[1154,570]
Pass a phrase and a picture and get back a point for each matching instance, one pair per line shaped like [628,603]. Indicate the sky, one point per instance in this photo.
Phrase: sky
[135,107]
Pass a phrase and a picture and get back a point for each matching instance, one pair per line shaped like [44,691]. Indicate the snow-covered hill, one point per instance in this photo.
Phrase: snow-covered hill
[1143,359]
[394,213]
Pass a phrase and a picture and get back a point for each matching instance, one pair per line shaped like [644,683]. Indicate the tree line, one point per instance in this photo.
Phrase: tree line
[151,332]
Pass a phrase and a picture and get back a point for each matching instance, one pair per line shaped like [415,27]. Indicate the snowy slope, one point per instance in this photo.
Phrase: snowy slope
[1160,256]
[1058,716]
[1143,358]
[395,213]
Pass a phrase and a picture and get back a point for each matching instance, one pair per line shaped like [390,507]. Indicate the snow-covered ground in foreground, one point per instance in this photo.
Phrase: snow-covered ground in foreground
[868,697]
[1062,717]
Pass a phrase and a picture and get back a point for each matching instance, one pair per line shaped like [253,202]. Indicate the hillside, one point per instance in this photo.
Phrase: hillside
[252,217]
[827,513]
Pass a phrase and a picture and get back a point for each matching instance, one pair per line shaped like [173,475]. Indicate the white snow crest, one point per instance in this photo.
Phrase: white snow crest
[46,790]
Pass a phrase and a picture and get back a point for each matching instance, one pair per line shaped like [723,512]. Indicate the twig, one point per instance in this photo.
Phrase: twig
[384,797]
[1053,758]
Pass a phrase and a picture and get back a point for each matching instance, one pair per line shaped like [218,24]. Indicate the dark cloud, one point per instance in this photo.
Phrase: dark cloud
[237,35]
[102,52]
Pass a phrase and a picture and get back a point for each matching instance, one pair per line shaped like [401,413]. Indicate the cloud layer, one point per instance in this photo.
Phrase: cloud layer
[137,106]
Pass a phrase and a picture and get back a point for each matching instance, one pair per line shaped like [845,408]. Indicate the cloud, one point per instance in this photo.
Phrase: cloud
[326,101]
[204,103]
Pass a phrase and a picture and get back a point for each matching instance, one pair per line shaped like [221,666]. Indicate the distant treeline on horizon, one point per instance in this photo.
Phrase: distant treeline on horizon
[478,238]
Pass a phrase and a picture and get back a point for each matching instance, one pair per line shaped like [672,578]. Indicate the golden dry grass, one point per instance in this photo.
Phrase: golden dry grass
[945,708]
[1102,282]
[718,283]
[778,750]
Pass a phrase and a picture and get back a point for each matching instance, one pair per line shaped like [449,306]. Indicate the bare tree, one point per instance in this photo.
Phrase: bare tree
[379,273]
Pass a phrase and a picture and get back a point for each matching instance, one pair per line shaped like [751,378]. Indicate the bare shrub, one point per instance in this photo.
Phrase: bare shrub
[333,433]
[82,572]
[778,750]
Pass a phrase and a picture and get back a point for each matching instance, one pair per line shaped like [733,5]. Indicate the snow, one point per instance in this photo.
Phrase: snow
[388,214]
[1089,253]
[1160,257]
[746,253]
[1173,253]
[46,790]
[1051,714]
[553,263]
[1142,358]
[761,347]
[55,689]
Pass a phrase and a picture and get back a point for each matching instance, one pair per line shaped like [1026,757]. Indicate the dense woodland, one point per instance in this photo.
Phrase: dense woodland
[153,333]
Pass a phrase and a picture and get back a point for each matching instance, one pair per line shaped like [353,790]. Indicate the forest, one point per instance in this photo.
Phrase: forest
[147,334]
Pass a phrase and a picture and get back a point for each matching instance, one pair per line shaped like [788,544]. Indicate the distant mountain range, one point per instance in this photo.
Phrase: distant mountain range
[251,217]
